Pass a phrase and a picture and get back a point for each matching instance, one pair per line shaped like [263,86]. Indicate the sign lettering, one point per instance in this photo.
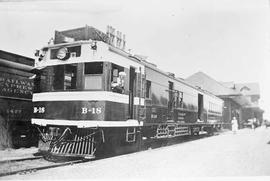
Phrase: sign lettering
[93,110]
[14,87]
[40,110]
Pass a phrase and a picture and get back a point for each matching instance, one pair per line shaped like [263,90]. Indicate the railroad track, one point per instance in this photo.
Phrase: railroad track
[32,164]
[20,159]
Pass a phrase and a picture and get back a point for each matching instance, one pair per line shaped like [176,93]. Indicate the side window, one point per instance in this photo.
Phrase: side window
[148,89]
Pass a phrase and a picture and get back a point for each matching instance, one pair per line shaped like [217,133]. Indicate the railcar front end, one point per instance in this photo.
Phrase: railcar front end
[80,106]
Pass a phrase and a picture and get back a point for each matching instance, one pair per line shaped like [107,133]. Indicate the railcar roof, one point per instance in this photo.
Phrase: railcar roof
[149,65]
[133,58]
[69,43]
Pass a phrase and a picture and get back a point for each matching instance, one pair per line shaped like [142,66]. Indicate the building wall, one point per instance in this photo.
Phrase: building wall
[15,118]
[251,113]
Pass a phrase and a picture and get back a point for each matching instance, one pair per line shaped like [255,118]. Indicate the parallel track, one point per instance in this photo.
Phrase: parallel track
[38,160]
[20,159]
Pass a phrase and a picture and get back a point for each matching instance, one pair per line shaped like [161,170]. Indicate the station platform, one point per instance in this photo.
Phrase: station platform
[10,154]
[244,154]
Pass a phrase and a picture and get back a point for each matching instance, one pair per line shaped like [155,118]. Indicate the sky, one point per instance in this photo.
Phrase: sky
[227,39]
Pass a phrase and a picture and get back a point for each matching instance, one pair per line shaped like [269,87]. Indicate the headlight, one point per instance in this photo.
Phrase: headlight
[63,54]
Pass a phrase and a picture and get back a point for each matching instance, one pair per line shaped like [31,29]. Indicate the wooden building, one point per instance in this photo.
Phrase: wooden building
[240,100]
[251,91]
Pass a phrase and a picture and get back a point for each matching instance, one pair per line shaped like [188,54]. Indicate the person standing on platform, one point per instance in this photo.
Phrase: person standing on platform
[234,125]
[254,123]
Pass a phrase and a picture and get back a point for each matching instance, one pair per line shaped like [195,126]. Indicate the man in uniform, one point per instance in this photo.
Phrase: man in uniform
[118,86]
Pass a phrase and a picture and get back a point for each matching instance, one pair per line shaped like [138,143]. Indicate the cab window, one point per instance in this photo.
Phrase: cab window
[64,77]
[93,75]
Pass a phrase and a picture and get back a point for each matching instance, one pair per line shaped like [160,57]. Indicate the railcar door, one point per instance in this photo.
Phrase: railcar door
[171,100]
[200,106]
[132,76]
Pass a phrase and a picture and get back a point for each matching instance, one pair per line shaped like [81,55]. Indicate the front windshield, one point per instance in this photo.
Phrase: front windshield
[93,72]
[69,77]
[56,78]
[64,77]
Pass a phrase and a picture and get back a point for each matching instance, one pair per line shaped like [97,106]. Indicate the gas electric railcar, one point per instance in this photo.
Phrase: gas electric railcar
[93,98]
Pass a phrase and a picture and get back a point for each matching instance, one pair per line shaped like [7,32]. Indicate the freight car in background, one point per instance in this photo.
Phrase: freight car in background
[91,97]
[16,129]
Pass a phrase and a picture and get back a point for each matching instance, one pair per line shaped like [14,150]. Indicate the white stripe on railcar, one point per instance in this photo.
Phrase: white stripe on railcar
[87,123]
[85,96]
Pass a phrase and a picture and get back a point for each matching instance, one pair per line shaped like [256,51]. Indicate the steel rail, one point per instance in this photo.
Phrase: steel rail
[20,159]
[34,169]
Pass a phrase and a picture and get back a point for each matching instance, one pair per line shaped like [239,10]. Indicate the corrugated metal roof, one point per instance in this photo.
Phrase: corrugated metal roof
[12,57]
